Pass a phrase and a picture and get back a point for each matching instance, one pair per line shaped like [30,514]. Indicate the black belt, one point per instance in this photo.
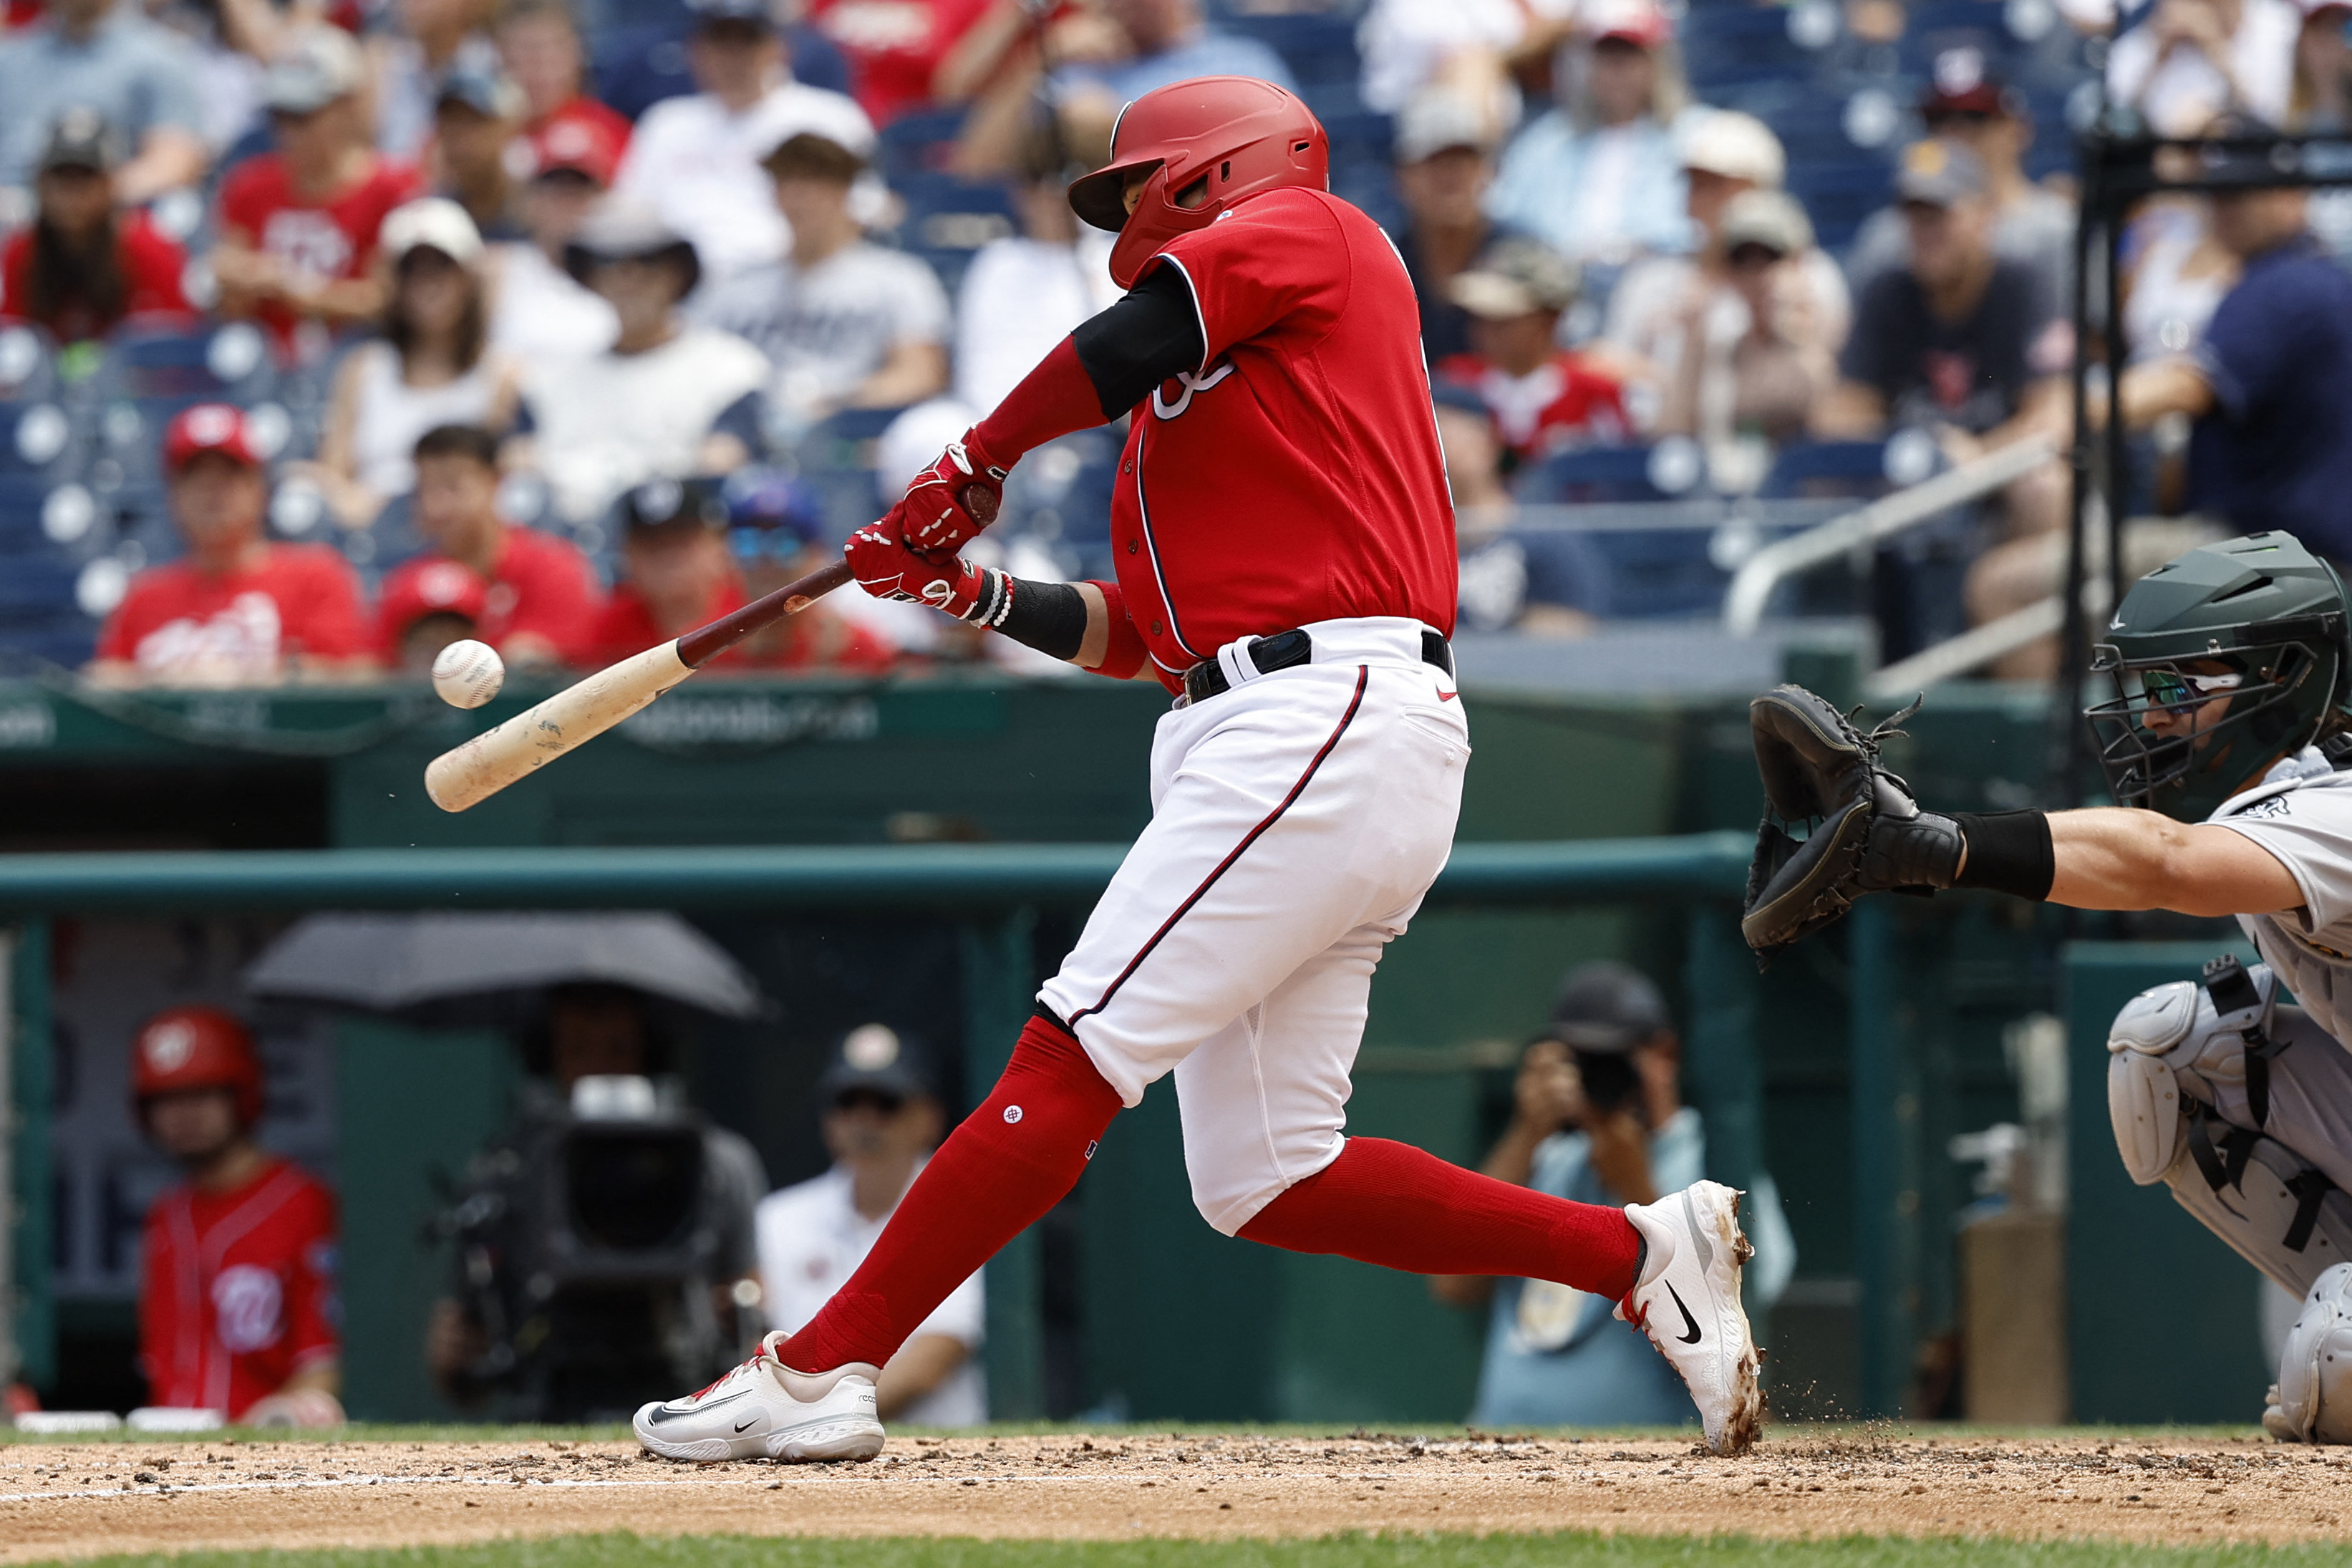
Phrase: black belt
[1284,650]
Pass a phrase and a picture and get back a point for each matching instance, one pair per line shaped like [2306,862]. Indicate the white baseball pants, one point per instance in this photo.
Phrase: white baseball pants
[1296,821]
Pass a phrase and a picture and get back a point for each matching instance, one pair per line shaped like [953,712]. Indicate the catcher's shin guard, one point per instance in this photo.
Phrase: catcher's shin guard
[2312,1400]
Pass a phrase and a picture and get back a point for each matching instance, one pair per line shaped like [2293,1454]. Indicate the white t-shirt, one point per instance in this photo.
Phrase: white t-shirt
[2302,813]
[1019,298]
[2179,94]
[541,312]
[828,327]
[812,1238]
[603,422]
[698,165]
[391,414]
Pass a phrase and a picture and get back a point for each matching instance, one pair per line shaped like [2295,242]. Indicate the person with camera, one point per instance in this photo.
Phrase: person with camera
[881,1123]
[603,1244]
[237,1295]
[1598,1118]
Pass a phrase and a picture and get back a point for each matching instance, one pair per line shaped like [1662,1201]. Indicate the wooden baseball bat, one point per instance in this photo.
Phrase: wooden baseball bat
[466,775]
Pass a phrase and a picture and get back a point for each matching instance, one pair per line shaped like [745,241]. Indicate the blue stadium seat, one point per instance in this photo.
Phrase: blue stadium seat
[1660,572]
[1838,197]
[949,219]
[837,459]
[637,65]
[918,142]
[29,365]
[227,364]
[1317,46]
[1725,45]
[38,438]
[1593,474]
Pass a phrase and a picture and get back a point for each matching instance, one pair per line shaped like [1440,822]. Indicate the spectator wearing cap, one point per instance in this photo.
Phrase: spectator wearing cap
[432,40]
[695,161]
[845,323]
[1968,346]
[1544,398]
[540,43]
[2270,389]
[239,609]
[83,267]
[298,223]
[2193,60]
[539,599]
[425,611]
[1597,177]
[433,366]
[541,312]
[776,530]
[668,399]
[882,1119]
[1024,293]
[238,1309]
[1747,386]
[1598,1116]
[1967,103]
[477,116]
[1444,166]
[106,56]
[1663,305]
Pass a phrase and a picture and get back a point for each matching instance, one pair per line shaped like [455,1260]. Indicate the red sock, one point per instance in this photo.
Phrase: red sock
[1395,1206]
[1011,1161]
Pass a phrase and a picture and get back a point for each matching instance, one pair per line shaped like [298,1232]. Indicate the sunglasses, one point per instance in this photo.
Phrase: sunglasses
[2173,689]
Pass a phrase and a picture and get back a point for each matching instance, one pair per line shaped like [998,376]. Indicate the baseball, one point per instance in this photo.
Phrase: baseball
[469,673]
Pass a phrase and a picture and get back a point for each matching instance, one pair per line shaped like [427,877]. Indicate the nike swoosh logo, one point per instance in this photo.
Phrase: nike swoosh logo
[662,1412]
[1689,1322]
[740,1426]
[1448,696]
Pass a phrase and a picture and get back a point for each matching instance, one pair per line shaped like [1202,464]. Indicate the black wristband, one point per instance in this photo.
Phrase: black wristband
[1049,616]
[2009,852]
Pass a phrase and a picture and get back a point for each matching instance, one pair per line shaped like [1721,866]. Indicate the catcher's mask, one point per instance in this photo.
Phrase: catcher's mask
[1233,137]
[2258,622]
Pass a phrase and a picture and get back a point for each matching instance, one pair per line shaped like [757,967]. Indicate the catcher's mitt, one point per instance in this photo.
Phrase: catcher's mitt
[1866,833]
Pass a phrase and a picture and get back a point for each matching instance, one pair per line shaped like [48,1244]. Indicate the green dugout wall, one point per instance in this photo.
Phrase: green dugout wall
[990,780]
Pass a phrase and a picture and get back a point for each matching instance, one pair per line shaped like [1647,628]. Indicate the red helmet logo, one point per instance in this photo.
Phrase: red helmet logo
[1209,145]
[183,1048]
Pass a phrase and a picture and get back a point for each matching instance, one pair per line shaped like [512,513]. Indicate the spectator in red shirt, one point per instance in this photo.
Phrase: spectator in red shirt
[236,1299]
[239,609]
[298,224]
[894,47]
[1544,398]
[540,599]
[82,269]
[541,44]
[681,573]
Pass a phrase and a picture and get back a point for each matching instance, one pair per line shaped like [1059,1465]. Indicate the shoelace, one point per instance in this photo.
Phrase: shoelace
[757,1357]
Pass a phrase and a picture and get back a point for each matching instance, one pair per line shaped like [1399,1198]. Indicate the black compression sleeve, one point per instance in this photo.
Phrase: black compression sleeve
[1152,334]
[1049,617]
[2009,852]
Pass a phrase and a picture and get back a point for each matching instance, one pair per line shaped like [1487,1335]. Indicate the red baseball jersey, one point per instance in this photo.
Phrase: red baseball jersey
[1295,477]
[1559,407]
[542,585]
[239,1291]
[330,239]
[180,620]
[151,265]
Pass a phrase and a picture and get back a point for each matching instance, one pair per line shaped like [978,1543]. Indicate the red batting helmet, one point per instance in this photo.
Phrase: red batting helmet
[1235,136]
[197,1047]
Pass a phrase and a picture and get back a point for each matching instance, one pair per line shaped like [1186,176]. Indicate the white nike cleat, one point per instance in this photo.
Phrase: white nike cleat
[1687,1301]
[764,1410]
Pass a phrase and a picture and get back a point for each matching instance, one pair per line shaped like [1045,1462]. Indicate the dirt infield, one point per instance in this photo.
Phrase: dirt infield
[81,1500]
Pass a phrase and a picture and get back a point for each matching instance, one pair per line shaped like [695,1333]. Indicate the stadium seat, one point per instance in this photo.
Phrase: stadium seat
[38,438]
[1611,474]
[918,142]
[29,365]
[1319,47]
[1838,197]
[230,363]
[949,219]
[1725,45]
[1659,572]
[1859,469]
[837,459]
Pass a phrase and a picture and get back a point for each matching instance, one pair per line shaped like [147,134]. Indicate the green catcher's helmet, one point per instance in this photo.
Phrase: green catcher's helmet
[2265,618]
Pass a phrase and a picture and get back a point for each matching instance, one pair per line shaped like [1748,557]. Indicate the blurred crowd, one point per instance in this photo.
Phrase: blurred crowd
[569,329]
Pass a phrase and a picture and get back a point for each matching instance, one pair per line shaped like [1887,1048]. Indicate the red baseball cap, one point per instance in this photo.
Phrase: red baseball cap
[208,428]
[183,1048]
[435,587]
[579,145]
[1638,22]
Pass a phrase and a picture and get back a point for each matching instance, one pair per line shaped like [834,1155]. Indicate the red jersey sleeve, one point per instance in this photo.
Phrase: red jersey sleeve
[249,195]
[321,605]
[556,596]
[313,1308]
[15,273]
[153,266]
[1281,260]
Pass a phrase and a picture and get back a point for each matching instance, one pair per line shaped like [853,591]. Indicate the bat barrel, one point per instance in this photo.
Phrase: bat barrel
[468,774]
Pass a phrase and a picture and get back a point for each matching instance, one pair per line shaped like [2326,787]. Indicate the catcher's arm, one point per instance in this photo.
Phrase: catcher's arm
[2112,857]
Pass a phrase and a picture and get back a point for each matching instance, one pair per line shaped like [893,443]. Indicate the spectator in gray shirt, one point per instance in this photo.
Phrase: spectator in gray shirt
[109,58]
[846,323]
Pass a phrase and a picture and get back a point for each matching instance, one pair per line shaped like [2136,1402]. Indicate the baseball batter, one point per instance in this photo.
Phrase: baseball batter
[2227,745]
[1286,566]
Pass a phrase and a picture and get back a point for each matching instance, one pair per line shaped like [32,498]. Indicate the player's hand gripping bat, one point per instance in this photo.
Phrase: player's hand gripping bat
[468,774]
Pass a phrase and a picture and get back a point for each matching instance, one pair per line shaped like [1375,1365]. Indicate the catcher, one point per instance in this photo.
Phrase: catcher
[2229,745]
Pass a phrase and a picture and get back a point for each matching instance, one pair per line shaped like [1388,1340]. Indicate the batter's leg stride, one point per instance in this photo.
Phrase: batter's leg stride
[1285,561]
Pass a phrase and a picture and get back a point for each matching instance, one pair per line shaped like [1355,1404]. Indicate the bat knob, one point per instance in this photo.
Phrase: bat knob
[981,502]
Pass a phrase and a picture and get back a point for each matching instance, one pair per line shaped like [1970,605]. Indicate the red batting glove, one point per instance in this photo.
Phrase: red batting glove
[886,568]
[935,517]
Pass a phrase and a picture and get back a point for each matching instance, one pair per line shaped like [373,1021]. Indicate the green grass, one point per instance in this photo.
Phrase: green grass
[1568,1549]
